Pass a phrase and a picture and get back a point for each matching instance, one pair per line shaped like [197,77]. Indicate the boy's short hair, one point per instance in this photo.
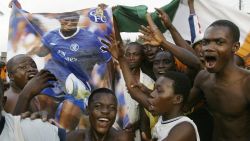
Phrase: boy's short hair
[69,15]
[98,91]
[234,29]
[182,83]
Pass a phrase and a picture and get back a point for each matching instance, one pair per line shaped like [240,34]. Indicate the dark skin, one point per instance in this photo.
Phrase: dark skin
[26,83]
[133,55]
[224,85]
[163,62]
[102,112]
[153,36]
[146,100]
[169,105]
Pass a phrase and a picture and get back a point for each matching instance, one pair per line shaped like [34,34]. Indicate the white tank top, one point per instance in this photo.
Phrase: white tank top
[162,128]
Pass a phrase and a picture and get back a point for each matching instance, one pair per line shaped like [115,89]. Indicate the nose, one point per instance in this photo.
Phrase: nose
[30,68]
[104,110]
[147,48]
[208,48]
[161,64]
[131,57]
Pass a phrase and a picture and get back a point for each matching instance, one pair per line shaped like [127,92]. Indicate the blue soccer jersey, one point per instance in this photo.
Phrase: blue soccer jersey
[76,54]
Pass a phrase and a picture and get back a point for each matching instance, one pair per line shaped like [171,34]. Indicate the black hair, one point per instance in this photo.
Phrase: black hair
[166,52]
[234,29]
[134,43]
[73,15]
[100,90]
[182,83]
[10,63]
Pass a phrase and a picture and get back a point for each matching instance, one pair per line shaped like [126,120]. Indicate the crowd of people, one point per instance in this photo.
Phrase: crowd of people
[181,91]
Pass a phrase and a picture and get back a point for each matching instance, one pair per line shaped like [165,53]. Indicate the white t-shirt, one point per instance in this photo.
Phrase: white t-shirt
[162,128]
[17,129]
[132,106]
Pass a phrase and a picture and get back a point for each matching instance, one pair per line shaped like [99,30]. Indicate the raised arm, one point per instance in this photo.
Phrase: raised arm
[196,93]
[178,39]
[31,89]
[116,49]
[152,35]
[40,51]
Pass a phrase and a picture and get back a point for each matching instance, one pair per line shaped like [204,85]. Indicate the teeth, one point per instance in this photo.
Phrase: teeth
[31,76]
[103,119]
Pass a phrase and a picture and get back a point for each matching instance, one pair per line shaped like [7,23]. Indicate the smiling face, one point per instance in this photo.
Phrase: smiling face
[218,48]
[102,112]
[163,62]
[134,56]
[21,69]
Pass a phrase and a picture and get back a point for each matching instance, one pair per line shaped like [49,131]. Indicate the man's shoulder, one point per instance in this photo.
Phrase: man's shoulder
[77,135]
[202,76]
[51,33]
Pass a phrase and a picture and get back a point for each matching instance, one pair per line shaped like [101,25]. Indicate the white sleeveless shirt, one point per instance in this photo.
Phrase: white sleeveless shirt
[162,128]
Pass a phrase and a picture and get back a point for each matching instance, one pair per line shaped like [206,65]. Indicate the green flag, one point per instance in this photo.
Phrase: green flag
[129,19]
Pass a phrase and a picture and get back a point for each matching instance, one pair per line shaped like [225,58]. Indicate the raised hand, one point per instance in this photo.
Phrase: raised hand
[151,34]
[39,82]
[164,18]
[43,115]
[114,47]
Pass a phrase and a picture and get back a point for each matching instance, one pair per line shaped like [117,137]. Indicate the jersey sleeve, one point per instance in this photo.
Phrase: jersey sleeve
[37,130]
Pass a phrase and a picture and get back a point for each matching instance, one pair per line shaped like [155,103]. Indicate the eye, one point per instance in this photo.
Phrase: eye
[168,61]
[97,106]
[113,108]
[156,62]
[204,42]
[219,42]
[22,67]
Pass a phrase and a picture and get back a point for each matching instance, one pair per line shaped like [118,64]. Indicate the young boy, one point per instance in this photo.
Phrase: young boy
[168,97]
[102,109]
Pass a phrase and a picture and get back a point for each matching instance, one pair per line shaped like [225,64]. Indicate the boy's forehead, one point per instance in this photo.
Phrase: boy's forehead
[164,81]
[215,32]
[102,97]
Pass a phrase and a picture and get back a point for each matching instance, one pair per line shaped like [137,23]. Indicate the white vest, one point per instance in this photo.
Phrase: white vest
[162,128]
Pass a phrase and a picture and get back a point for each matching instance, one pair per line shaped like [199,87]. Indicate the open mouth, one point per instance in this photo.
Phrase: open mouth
[30,76]
[103,122]
[210,61]
[161,72]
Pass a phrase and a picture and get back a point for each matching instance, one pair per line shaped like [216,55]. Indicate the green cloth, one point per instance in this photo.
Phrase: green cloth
[129,19]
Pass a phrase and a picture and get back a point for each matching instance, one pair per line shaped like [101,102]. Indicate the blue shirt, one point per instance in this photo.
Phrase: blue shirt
[76,54]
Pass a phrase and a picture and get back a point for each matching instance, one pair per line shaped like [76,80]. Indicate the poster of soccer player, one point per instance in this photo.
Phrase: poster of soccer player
[67,44]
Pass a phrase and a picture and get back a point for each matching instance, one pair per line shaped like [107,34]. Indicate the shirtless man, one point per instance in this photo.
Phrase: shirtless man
[21,69]
[224,85]
[102,108]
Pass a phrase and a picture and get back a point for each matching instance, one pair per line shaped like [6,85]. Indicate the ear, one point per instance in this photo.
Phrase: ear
[178,99]
[87,110]
[236,46]
[10,75]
